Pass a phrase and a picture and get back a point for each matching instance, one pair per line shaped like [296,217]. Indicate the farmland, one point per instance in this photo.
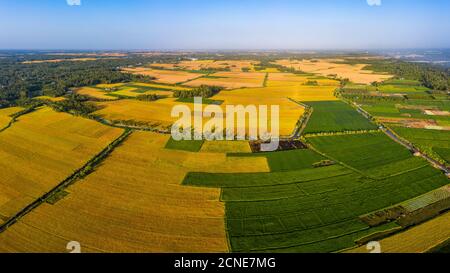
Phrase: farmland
[140,172]
[419,239]
[5,115]
[335,166]
[326,67]
[165,76]
[336,116]
[230,80]
[376,155]
[231,65]
[45,147]
[287,212]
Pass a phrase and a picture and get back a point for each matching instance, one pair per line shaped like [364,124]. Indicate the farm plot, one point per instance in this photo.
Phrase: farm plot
[372,153]
[308,210]
[288,160]
[230,80]
[335,116]
[290,79]
[5,115]
[134,202]
[290,112]
[419,239]
[433,142]
[155,114]
[41,150]
[164,76]
[327,67]
[94,93]
[231,65]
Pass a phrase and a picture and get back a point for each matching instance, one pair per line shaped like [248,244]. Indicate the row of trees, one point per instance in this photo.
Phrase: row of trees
[433,77]
[202,91]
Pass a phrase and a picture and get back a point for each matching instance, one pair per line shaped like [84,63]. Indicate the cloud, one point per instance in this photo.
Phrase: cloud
[74,2]
[374,2]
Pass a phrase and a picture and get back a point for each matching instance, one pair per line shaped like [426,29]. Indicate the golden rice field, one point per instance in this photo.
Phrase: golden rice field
[45,147]
[233,65]
[161,86]
[289,79]
[231,80]
[53,99]
[134,202]
[418,239]
[109,85]
[326,67]
[5,115]
[164,76]
[94,93]
[226,147]
[157,113]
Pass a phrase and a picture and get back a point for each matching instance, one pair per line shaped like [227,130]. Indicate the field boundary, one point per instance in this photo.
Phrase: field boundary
[15,116]
[85,170]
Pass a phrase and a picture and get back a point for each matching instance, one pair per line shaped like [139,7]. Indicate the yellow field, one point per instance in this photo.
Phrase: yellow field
[54,99]
[134,203]
[109,85]
[40,150]
[155,113]
[164,76]
[233,65]
[94,93]
[161,86]
[226,147]
[325,67]
[5,115]
[418,239]
[231,80]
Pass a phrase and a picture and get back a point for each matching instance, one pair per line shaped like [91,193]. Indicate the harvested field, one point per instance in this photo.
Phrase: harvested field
[40,150]
[164,76]
[134,202]
[326,67]
[230,80]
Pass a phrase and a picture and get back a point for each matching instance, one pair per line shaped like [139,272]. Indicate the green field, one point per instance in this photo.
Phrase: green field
[335,116]
[288,160]
[309,210]
[184,145]
[373,153]
[429,141]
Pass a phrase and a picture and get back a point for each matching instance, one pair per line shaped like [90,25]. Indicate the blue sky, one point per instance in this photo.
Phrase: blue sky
[224,24]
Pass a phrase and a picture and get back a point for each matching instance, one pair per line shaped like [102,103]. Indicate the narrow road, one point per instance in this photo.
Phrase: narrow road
[410,147]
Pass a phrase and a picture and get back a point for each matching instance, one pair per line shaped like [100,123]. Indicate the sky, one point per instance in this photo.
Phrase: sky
[224,24]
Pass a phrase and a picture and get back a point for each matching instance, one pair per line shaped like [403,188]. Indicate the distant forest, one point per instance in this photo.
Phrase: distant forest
[20,81]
